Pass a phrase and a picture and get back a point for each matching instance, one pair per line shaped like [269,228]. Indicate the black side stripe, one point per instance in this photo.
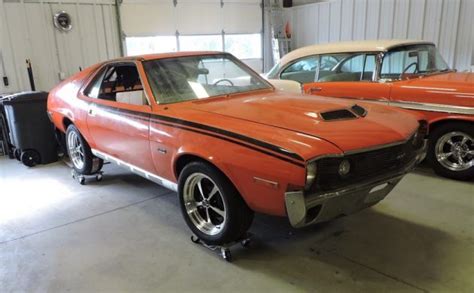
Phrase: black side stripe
[282,154]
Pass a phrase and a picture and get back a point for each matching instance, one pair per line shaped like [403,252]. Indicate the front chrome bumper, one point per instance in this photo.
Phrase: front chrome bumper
[304,210]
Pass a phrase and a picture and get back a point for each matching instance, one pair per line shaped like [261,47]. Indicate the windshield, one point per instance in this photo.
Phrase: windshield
[182,79]
[415,59]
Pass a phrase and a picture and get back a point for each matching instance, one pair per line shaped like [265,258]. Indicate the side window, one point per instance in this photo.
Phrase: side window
[369,68]
[353,64]
[302,71]
[118,83]
[348,67]
[395,62]
[93,89]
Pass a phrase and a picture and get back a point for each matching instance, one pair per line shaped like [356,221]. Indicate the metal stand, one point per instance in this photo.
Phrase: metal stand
[225,248]
[82,178]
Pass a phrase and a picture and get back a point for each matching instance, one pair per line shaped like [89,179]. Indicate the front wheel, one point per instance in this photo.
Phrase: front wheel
[451,150]
[212,207]
[82,159]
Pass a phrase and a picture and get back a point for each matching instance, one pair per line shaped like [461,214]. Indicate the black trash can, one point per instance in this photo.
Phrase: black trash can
[31,131]
[4,132]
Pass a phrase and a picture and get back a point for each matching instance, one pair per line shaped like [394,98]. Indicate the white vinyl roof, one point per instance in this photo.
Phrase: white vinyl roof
[348,47]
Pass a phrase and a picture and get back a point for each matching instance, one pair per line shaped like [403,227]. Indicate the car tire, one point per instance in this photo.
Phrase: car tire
[80,154]
[211,206]
[446,144]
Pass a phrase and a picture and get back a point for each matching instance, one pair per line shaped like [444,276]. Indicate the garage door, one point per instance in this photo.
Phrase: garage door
[185,25]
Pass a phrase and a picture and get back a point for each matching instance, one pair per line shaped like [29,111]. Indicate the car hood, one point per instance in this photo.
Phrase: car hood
[301,114]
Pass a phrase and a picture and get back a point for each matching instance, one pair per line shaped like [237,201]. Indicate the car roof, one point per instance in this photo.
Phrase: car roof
[348,47]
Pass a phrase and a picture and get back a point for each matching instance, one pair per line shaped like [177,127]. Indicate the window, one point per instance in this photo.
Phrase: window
[201,43]
[302,71]
[349,67]
[199,77]
[119,83]
[150,45]
[245,46]
[416,59]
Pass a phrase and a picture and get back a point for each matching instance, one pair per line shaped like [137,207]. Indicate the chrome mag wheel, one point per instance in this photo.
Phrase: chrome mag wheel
[204,204]
[455,151]
[76,150]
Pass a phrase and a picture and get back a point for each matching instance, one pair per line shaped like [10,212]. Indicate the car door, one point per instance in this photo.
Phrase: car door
[118,117]
[349,76]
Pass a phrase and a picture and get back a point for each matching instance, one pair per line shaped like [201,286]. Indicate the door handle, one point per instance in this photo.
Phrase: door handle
[314,90]
[91,112]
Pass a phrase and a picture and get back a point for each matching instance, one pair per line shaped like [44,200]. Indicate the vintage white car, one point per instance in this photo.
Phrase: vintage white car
[402,73]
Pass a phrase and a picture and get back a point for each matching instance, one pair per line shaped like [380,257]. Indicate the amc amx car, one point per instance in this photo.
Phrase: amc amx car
[207,126]
[405,74]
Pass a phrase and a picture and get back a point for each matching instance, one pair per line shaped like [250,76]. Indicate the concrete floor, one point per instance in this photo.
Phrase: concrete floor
[127,234]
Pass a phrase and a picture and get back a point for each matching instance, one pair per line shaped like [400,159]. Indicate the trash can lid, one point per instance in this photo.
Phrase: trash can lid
[24,97]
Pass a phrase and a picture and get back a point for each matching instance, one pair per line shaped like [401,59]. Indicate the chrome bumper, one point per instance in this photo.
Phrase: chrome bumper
[304,210]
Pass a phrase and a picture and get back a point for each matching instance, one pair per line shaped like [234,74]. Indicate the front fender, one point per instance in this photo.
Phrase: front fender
[260,179]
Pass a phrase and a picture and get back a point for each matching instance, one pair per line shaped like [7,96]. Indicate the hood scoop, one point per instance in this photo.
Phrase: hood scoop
[354,112]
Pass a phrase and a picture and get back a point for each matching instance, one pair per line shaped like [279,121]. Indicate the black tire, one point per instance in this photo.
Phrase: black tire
[435,136]
[92,164]
[30,158]
[238,214]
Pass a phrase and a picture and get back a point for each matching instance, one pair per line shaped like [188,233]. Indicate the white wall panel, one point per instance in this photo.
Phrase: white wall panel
[323,20]
[335,21]
[447,23]
[387,11]
[400,19]
[416,19]
[199,18]
[27,32]
[148,19]
[358,29]
[242,18]
[372,19]
[432,23]
[347,21]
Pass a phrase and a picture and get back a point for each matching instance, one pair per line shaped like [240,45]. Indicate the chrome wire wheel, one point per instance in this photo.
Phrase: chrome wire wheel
[204,204]
[76,150]
[455,151]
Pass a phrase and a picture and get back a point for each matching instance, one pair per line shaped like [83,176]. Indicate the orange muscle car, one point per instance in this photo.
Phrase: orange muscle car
[207,126]
[405,74]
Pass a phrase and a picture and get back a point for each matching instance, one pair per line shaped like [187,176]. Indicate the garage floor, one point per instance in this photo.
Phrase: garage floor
[126,234]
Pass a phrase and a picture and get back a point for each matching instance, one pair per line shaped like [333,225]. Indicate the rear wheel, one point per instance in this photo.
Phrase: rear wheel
[451,150]
[82,159]
[212,207]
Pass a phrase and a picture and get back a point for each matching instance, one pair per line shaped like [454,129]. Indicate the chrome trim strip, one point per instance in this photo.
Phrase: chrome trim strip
[266,182]
[145,174]
[419,106]
[433,107]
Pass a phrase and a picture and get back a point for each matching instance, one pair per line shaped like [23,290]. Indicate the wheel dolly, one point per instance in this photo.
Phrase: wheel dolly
[224,249]
[82,178]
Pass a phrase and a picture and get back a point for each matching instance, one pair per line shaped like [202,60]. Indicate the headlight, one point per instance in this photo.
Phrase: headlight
[311,169]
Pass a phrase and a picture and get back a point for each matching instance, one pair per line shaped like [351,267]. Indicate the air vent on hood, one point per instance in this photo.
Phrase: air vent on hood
[338,115]
[359,110]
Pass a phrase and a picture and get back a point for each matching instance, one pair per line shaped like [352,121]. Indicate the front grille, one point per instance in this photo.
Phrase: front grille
[364,166]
